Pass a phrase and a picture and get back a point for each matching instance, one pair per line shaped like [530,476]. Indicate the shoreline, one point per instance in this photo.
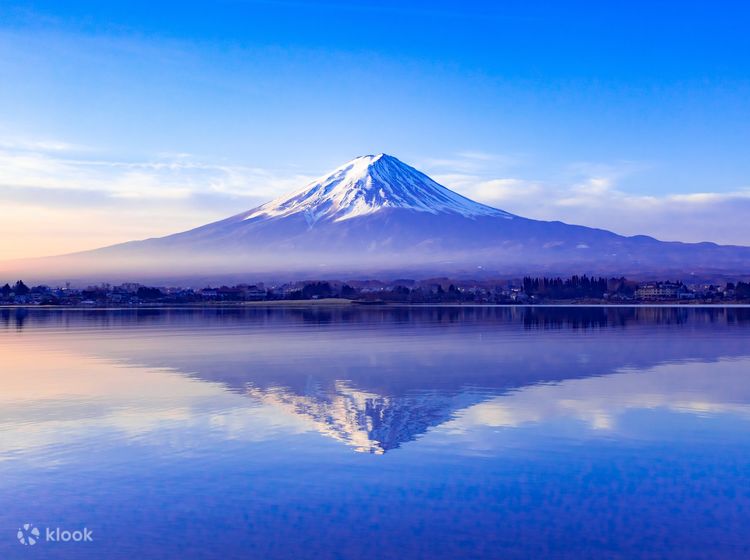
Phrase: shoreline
[341,303]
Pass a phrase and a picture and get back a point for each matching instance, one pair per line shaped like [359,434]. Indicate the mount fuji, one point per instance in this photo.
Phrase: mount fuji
[377,215]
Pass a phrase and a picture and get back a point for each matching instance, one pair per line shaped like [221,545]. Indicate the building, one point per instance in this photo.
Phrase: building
[660,291]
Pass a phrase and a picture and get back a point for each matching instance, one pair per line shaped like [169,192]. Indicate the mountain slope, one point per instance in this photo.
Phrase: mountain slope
[377,215]
[369,184]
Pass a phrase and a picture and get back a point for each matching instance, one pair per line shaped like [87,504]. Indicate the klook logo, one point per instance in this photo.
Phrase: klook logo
[29,535]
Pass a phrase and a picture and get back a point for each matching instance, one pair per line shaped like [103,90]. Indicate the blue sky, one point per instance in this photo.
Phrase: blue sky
[162,116]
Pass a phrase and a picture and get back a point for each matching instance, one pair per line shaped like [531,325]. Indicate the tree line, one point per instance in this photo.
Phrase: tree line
[573,287]
[19,288]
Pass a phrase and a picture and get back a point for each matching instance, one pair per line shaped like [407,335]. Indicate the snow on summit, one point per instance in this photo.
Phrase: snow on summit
[369,184]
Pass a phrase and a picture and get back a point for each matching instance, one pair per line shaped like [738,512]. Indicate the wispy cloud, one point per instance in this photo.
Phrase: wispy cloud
[57,197]
[591,194]
[166,176]
[49,145]
[470,161]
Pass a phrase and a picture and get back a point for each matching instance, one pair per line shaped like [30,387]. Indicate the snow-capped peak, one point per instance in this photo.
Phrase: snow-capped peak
[369,184]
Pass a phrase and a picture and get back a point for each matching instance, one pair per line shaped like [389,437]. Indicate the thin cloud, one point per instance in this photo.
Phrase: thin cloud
[48,145]
[590,194]
[470,162]
[696,217]
[57,201]
[168,177]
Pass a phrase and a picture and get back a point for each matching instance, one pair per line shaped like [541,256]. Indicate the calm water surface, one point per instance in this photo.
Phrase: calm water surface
[388,433]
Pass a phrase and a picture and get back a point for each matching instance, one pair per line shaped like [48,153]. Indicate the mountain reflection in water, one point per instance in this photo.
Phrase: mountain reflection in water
[378,378]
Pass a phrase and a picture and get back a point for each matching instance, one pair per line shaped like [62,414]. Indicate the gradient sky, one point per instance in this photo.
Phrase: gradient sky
[125,120]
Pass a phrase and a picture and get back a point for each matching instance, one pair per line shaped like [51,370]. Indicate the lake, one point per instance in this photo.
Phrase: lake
[394,433]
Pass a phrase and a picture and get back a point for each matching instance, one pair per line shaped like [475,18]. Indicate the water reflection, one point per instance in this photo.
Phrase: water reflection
[433,433]
[375,379]
[539,316]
